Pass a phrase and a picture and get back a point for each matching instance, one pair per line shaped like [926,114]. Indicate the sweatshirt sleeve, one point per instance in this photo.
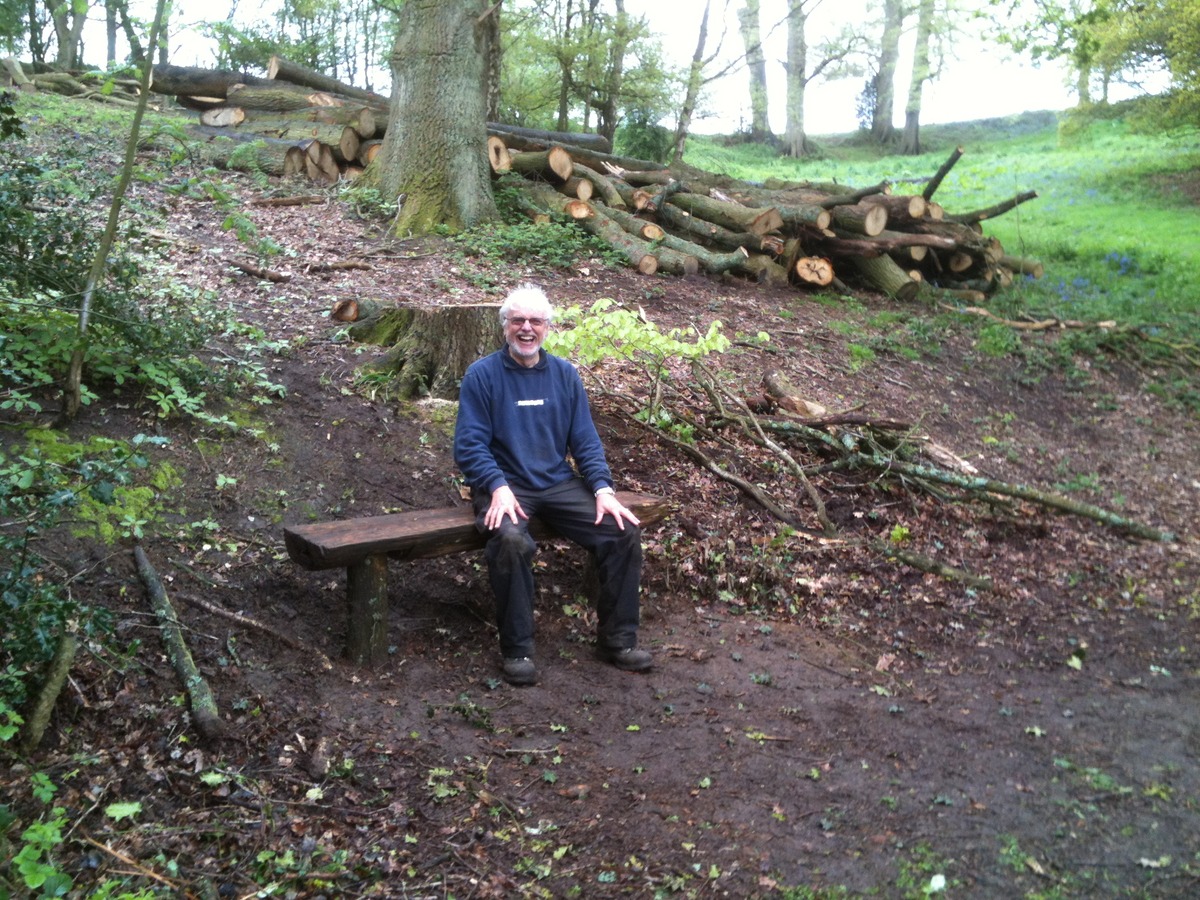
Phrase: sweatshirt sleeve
[473,433]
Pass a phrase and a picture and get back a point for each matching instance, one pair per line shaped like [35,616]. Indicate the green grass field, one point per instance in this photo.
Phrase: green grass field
[1116,221]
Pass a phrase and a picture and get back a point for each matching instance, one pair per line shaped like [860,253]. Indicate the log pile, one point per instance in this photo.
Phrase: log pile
[678,221]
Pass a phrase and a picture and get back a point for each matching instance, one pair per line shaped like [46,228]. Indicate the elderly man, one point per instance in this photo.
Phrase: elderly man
[521,413]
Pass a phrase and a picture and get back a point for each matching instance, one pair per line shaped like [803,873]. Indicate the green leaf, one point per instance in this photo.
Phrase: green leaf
[119,811]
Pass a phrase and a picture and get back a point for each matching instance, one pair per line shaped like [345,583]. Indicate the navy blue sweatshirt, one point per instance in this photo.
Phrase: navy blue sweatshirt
[516,425]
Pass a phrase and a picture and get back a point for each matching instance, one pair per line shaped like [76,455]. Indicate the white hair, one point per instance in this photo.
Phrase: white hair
[529,297]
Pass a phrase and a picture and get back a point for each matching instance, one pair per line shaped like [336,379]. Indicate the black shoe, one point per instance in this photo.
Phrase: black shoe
[520,670]
[629,659]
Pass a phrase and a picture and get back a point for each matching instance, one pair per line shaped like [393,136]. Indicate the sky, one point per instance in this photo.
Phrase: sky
[984,81]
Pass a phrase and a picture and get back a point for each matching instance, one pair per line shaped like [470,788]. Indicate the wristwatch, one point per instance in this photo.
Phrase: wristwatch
[604,490]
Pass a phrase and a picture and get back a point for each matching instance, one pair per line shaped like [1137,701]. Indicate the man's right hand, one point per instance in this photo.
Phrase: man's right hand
[504,503]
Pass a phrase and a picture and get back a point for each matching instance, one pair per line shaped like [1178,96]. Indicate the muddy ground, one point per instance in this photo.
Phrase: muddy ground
[820,719]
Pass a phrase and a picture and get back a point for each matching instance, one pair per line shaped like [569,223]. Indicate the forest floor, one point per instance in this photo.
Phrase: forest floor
[820,720]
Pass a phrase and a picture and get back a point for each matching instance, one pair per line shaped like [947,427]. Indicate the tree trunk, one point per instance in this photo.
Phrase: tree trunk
[756,66]
[797,70]
[911,145]
[429,348]
[435,150]
[883,131]
[692,92]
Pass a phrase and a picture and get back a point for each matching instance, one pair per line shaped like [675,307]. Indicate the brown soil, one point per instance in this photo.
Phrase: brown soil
[891,727]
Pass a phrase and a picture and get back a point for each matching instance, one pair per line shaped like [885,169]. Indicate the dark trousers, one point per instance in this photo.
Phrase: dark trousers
[570,510]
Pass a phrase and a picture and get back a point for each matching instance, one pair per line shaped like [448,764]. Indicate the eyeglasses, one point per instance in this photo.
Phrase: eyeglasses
[520,321]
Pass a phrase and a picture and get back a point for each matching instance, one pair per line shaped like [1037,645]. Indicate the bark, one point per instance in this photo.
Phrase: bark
[990,212]
[863,218]
[911,143]
[536,139]
[691,95]
[940,175]
[434,151]
[883,131]
[429,349]
[197,81]
[882,274]
[279,69]
[554,165]
[1023,266]
[56,676]
[205,715]
[283,97]
[17,74]
[730,215]
[796,141]
[756,66]
[604,185]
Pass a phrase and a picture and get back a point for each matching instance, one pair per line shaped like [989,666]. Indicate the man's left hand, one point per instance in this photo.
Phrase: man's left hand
[608,505]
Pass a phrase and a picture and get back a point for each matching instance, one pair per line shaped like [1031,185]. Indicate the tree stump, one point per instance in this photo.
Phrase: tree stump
[429,348]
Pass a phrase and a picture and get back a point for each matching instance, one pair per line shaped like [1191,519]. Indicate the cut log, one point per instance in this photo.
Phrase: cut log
[862,218]
[636,251]
[346,149]
[763,269]
[902,209]
[223,116]
[198,103]
[786,396]
[278,97]
[730,215]
[579,188]
[253,155]
[535,139]
[647,231]
[199,82]
[604,185]
[368,150]
[59,83]
[294,160]
[882,274]
[814,270]
[1023,266]
[498,156]
[361,118]
[695,228]
[280,69]
[319,163]
[554,165]
[16,74]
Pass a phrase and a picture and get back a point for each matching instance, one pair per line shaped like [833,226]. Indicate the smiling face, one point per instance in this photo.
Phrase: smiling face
[524,330]
[526,320]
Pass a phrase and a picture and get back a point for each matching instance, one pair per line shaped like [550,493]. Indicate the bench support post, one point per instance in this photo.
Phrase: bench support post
[366,588]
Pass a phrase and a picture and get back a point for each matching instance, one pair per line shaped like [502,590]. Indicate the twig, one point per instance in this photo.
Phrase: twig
[932,566]
[138,867]
[249,622]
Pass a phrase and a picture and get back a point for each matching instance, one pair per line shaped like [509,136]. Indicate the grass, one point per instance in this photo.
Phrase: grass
[1115,221]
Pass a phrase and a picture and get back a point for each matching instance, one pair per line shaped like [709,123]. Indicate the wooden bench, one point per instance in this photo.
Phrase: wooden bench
[362,547]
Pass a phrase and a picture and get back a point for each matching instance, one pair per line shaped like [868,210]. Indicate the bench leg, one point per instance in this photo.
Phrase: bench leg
[366,589]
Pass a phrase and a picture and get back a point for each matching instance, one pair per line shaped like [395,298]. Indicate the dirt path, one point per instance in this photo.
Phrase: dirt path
[891,729]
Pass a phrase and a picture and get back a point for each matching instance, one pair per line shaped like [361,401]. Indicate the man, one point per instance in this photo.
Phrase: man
[521,412]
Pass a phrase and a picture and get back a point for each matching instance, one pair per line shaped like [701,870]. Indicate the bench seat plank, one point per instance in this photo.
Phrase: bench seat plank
[420,534]
[362,547]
